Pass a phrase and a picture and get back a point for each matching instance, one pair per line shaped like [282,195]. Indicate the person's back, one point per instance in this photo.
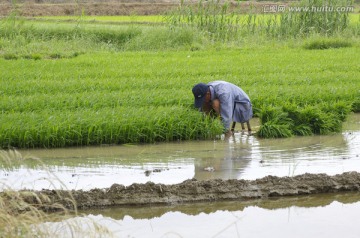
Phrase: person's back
[237,92]
[225,98]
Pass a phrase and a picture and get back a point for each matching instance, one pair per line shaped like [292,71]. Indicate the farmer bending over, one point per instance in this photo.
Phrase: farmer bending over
[224,99]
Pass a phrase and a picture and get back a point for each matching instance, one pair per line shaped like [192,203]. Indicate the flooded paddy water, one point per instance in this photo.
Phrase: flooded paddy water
[243,156]
[328,216]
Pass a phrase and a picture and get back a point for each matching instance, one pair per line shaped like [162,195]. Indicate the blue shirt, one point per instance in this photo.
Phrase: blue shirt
[235,104]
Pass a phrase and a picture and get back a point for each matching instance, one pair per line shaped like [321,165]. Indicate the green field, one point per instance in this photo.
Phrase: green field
[107,19]
[85,80]
[74,83]
[243,18]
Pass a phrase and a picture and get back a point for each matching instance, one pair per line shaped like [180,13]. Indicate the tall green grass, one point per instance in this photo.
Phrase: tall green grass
[299,19]
[24,213]
[214,18]
[18,213]
[311,17]
[47,39]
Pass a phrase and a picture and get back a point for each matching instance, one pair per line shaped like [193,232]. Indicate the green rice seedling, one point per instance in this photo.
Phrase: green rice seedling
[340,109]
[275,123]
[270,130]
[302,130]
[355,106]
[150,19]
[124,126]
[323,120]
[273,114]
[300,123]
[294,120]
[320,122]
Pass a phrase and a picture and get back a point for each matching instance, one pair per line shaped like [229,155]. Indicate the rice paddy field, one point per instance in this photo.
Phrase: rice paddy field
[108,19]
[74,81]
[89,81]
[243,18]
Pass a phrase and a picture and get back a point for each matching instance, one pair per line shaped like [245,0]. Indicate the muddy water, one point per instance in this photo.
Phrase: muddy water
[243,156]
[330,216]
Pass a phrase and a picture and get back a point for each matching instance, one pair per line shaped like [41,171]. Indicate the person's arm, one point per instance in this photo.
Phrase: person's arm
[226,107]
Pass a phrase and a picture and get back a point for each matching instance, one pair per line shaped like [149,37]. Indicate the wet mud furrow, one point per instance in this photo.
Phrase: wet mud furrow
[193,191]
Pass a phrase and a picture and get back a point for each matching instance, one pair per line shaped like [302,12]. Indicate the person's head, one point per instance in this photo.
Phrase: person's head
[200,92]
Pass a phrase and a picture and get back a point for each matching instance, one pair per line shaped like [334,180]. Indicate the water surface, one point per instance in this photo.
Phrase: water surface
[243,156]
[322,216]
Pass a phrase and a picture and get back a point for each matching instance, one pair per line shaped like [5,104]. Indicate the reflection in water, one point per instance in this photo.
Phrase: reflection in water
[235,154]
[193,209]
[311,216]
[332,155]
[243,156]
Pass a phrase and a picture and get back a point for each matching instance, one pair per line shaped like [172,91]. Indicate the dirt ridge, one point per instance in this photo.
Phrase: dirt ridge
[191,191]
[32,10]
[145,7]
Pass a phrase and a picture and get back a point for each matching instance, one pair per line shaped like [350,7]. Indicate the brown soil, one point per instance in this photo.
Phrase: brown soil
[191,191]
[31,9]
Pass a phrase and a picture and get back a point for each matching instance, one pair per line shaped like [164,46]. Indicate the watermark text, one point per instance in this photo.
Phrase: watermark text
[277,8]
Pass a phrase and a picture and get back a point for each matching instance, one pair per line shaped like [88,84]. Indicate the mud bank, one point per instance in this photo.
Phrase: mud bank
[145,7]
[32,9]
[191,191]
